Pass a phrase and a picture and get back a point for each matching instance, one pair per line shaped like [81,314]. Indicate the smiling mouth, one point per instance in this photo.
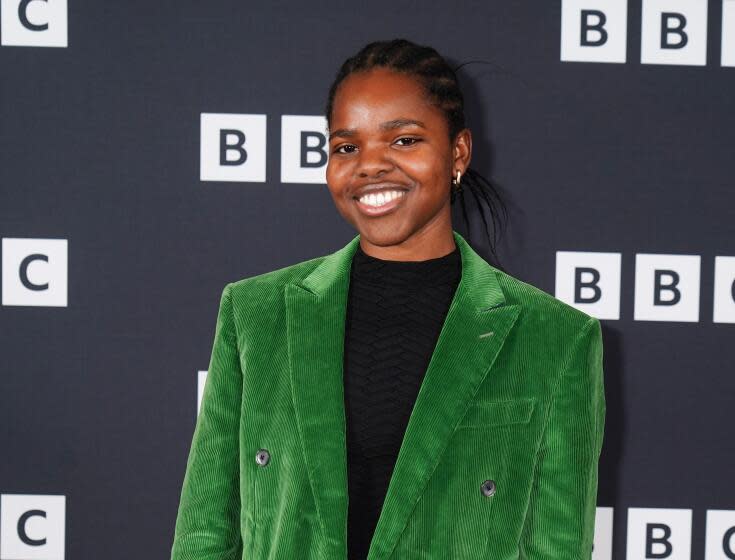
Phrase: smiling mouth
[375,204]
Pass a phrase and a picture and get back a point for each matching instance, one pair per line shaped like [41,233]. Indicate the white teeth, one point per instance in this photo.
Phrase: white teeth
[381,198]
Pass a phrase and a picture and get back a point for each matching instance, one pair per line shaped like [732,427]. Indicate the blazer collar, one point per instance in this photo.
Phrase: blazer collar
[474,330]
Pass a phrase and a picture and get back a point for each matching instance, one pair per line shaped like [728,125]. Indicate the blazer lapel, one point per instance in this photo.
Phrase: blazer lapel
[315,322]
[462,358]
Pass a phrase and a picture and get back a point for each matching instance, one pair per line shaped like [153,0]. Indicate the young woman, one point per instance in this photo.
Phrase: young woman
[401,397]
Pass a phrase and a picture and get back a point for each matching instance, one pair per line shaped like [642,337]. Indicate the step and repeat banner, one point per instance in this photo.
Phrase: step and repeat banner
[151,152]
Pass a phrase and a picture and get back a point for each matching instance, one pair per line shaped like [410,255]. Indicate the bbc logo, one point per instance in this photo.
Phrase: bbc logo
[34,272]
[659,533]
[672,31]
[667,287]
[32,527]
[33,23]
[233,148]
[665,533]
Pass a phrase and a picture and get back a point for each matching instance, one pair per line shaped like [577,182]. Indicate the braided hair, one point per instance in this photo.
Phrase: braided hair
[440,83]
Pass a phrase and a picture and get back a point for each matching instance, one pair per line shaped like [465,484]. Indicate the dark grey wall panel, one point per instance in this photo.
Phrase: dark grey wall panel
[100,144]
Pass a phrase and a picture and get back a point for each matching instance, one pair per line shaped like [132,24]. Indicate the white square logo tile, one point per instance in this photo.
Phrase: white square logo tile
[724,300]
[666,287]
[34,272]
[719,542]
[727,56]
[674,32]
[590,282]
[232,147]
[201,381]
[34,23]
[594,30]
[304,149]
[659,533]
[602,549]
[32,527]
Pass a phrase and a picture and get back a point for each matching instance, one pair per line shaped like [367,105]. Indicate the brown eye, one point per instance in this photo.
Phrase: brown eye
[337,151]
[412,140]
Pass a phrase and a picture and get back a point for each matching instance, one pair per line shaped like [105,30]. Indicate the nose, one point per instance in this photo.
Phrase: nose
[374,162]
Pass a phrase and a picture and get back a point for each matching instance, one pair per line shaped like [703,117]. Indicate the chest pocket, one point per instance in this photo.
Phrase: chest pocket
[483,414]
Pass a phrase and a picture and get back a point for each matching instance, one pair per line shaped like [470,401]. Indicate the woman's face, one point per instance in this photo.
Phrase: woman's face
[391,164]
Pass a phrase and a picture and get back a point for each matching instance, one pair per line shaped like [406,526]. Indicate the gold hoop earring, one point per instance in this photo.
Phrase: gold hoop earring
[456,182]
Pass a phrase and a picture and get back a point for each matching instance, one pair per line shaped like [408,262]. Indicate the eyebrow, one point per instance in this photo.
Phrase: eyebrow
[388,125]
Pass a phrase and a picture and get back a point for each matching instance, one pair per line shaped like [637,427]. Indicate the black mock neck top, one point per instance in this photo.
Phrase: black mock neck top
[395,312]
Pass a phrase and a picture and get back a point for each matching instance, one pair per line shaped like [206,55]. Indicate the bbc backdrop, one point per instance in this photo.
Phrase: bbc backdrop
[152,152]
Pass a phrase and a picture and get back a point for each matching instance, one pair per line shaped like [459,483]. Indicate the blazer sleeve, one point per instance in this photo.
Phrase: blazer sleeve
[560,519]
[207,524]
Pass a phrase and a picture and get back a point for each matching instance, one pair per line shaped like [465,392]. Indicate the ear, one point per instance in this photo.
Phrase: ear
[462,151]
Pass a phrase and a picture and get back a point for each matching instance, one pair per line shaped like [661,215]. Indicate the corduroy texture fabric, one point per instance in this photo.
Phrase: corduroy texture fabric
[513,393]
[395,311]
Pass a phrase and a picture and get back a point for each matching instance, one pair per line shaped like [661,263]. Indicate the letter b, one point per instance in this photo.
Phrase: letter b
[674,32]
[594,31]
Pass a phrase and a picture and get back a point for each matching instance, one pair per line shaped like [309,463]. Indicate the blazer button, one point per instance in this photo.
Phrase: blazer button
[488,488]
[262,457]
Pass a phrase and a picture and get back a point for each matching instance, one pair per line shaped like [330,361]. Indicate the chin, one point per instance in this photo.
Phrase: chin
[383,236]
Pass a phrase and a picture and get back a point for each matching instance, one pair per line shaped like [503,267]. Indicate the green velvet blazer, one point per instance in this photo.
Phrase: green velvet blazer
[499,459]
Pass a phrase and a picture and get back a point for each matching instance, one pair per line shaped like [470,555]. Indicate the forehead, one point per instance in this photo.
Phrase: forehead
[365,99]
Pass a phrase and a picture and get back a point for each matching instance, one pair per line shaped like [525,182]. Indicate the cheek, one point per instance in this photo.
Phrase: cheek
[428,167]
[335,179]
[434,184]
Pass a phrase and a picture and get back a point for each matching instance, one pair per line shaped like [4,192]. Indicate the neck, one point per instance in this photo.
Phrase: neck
[430,243]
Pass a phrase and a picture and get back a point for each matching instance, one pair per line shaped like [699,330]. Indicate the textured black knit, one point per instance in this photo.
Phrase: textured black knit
[395,312]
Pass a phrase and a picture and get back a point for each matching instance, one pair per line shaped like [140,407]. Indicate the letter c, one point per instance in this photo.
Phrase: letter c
[23,272]
[23,17]
[22,527]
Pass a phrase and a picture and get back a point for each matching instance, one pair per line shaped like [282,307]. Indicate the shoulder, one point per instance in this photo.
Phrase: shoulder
[267,288]
[553,331]
[541,309]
